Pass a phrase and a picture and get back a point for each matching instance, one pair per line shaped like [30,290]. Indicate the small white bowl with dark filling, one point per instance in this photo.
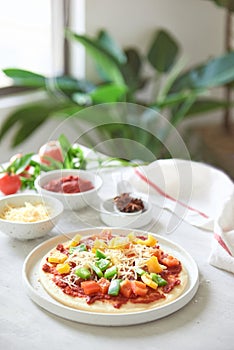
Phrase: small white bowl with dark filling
[129,210]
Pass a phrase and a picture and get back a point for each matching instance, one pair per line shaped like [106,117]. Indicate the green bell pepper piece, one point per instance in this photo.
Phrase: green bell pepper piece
[111,272]
[80,248]
[158,279]
[96,270]
[103,264]
[100,255]
[114,287]
[83,272]
[140,271]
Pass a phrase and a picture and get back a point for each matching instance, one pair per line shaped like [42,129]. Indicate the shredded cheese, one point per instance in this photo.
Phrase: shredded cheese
[126,260]
[27,213]
[82,259]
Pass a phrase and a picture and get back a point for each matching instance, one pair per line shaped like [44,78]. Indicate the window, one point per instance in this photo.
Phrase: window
[31,36]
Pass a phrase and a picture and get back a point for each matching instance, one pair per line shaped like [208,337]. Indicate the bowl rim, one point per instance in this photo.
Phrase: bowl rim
[59,204]
[51,193]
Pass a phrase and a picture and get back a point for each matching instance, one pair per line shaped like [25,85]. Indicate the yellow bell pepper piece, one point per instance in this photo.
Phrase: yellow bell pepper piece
[99,244]
[75,241]
[131,236]
[63,268]
[118,242]
[57,258]
[148,281]
[153,265]
[151,241]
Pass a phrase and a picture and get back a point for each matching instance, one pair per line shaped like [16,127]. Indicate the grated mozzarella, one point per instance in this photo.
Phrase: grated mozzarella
[27,213]
[126,261]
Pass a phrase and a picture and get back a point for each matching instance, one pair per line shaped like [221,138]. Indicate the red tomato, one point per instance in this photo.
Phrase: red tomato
[51,149]
[9,183]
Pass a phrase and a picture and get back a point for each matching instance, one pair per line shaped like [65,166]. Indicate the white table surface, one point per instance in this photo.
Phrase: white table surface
[206,322]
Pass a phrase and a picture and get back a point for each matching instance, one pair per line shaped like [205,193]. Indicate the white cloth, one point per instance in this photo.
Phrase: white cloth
[197,193]
[222,254]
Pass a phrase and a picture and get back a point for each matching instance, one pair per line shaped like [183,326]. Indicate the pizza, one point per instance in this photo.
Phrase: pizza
[112,273]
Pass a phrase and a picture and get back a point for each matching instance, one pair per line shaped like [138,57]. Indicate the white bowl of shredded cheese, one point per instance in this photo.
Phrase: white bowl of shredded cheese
[28,216]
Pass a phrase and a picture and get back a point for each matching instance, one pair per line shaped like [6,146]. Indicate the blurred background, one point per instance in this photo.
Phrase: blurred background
[175,58]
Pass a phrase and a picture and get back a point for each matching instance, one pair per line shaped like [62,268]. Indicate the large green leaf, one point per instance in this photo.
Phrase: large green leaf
[132,70]
[108,93]
[215,72]
[169,81]
[66,112]
[173,99]
[163,51]
[207,105]
[23,77]
[69,84]
[229,4]
[27,119]
[26,78]
[108,43]
[101,56]
[179,113]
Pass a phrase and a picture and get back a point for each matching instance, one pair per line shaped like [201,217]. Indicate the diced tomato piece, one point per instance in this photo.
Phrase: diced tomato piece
[126,288]
[104,285]
[90,287]
[170,261]
[139,288]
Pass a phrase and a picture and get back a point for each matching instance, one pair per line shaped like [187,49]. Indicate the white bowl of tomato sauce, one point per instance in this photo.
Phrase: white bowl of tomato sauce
[76,189]
[28,216]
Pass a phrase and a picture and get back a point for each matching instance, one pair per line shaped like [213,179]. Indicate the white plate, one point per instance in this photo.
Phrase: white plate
[37,293]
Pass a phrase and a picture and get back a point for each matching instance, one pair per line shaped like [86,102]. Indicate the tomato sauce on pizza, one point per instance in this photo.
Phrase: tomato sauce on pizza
[112,273]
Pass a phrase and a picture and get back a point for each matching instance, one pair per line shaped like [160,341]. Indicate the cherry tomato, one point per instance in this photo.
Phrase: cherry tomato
[9,183]
[51,149]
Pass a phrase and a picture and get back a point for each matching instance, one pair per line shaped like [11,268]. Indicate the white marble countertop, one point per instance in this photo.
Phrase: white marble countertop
[205,322]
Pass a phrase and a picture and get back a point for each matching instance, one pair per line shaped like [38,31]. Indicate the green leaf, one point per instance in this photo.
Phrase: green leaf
[65,144]
[66,112]
[132,70]
[163,51]
[215,72]
[27,119]
[183,109]
[73,155]
[114,50]
[101,57]
[108,93]
[25,78]
[169,81]
[107,42]
[173,99]
[67,84]
[207,105]
[19,164]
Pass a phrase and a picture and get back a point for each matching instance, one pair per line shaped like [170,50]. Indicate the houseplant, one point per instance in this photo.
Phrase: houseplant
[121,80]
[215,142]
